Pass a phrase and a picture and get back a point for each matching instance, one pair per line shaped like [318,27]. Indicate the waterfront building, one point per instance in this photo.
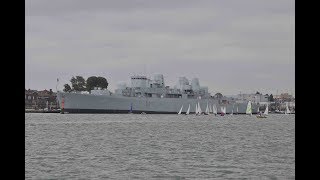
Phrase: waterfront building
[40,99]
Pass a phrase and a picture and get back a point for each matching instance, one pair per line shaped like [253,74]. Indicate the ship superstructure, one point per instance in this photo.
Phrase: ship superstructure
[141,86]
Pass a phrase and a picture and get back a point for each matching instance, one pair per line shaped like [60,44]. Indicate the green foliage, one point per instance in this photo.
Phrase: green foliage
[91,83]
[94,81]
[102,82]
[67,88]
[78,83]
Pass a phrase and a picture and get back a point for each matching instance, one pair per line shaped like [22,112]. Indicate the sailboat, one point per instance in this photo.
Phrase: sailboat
[232,110]
[210,109]
[214,110]
[266,111]
[287,111]
[278,109]
[180,110]
[196,111]
[237,110]
[264,115]
[223,110]
[130,111]
[207,110]
[188,111]
[199,109]
[249,109]
[47,106]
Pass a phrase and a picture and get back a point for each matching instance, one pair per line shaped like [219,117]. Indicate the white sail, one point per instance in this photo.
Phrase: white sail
[214,109]
[180,110]
[232,109]
[237,110]
[196,111]
[287,109]
[249,109]
[188,111]
[207,109]
[266,111]
[225,110]
[258,110]
[210,109]
[199,108]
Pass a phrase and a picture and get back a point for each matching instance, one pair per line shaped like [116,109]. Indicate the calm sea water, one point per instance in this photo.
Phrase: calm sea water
[124,146]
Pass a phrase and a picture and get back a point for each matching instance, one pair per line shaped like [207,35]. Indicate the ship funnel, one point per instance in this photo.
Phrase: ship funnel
[195,84]
[158,78]
[138,81]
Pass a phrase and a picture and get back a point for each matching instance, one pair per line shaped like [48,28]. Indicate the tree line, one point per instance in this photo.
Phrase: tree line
[78,83]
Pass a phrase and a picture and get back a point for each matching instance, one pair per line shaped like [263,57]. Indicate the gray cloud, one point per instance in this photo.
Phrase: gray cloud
[230,46]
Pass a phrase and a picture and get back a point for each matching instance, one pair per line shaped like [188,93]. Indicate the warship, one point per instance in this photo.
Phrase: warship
[149,96]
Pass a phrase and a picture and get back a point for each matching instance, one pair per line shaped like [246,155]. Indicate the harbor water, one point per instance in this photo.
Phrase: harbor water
[135,146]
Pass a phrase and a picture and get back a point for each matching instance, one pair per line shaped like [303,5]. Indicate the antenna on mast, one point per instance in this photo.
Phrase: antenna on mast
[57,85]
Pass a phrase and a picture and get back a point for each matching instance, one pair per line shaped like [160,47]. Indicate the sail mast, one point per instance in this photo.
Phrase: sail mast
[196,111]
[199,108]
[131,108]
[188,111]
[287,108]
[180,110]
[249,109]
[266,111]
[214,109]
[207,109]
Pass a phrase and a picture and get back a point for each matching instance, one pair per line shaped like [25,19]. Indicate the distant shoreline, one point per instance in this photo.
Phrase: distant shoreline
[41,111]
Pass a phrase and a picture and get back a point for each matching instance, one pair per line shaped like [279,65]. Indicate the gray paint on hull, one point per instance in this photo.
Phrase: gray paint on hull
[117,104]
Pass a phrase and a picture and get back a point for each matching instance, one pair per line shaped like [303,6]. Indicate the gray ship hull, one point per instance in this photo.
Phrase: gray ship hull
[89,103]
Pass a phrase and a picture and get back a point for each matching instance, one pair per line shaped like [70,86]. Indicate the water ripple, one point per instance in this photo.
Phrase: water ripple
[113,146]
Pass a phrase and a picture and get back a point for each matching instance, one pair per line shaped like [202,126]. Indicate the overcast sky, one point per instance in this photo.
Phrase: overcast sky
[230,45]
